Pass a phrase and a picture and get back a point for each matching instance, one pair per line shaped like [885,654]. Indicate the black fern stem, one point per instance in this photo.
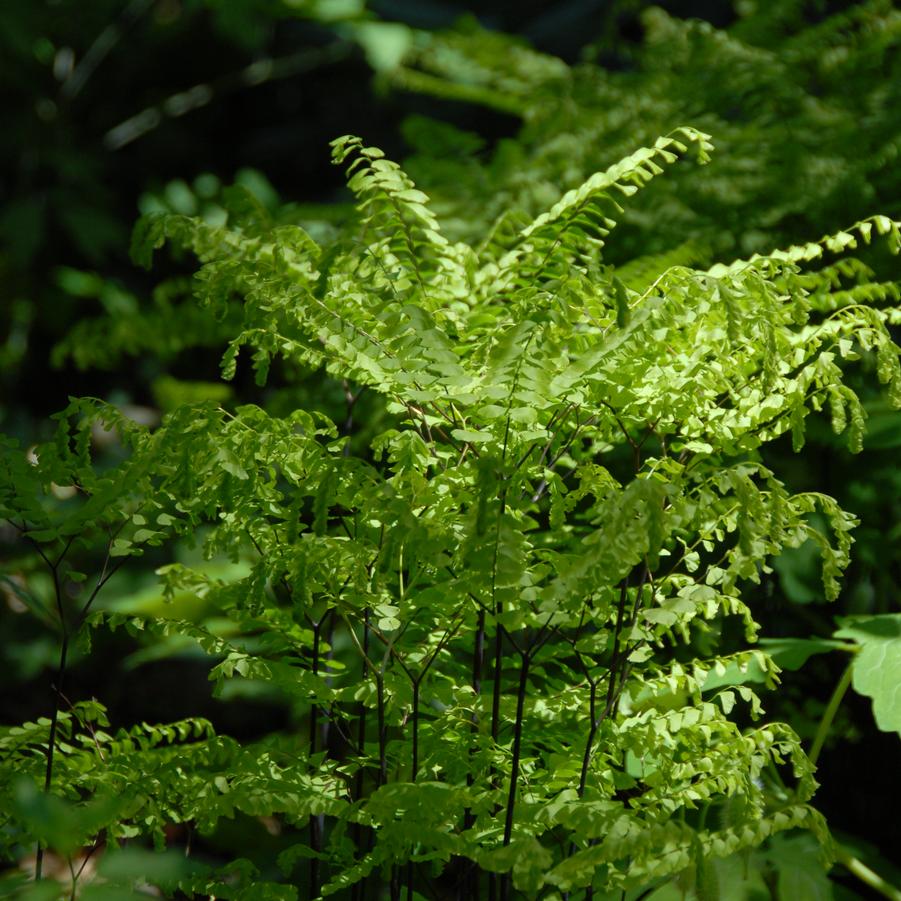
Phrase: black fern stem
[514,766]
[415,718]
[498,650]
[57,690]
[414,769]
[498,661]
[499,629]
[315,824]
[616,658]
[616,677]
[473,873]
[314,708]
[496,719]
[478,655]
[589,741]
[394,884]
[595,720]
[105,575]
[326,733]
[382,728]
[358,891]
[51,739]
[470,878]
[517,744]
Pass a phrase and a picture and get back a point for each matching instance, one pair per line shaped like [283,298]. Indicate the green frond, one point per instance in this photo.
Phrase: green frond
[574,228]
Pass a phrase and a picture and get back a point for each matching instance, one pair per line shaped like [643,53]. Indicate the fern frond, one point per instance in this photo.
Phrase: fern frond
[573,230]
[398,226]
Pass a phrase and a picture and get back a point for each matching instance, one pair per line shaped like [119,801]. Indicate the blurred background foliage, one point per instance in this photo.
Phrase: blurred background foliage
[118,107]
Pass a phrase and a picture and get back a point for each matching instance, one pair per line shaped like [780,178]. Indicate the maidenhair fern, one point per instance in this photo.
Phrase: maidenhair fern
[498,617]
